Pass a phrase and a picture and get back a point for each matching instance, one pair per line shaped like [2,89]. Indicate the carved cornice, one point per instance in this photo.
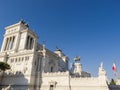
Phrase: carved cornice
[2,54]
[56,74]
[25,52]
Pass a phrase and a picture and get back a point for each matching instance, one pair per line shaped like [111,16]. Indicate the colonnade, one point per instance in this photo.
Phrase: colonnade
[9,43]
[29,43]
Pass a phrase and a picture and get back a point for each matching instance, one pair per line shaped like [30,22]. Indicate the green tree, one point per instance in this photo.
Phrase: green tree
[112,82]
[4,66]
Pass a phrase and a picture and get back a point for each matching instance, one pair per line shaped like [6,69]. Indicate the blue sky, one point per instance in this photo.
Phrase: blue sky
[86,28]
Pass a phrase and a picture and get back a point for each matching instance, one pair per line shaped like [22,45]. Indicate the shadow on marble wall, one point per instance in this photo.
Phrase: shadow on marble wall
[11,81]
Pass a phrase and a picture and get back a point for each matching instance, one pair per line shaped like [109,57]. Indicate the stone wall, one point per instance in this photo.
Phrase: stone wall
[59,80]
[87,84]
[15,81]
[63,81]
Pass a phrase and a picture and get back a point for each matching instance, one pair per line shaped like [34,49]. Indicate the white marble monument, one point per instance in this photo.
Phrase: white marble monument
[34,67]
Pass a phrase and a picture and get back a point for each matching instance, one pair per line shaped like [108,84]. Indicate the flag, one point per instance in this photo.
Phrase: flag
[114,69]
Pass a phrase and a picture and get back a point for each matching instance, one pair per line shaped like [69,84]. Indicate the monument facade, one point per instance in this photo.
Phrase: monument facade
[34,67]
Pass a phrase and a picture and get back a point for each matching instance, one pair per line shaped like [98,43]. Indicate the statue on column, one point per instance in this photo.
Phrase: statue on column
[77,58]
[77,67]
[102,72]
[44,55]
[44,51]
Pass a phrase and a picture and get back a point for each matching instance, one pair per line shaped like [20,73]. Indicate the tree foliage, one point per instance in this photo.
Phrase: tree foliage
[112,82]
[4,66]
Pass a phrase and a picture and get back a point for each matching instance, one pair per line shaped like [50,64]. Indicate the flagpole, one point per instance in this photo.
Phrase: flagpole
[114,68]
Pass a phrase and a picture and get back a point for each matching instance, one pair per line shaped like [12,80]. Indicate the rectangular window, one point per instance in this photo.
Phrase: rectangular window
[27,43]
[31,43]
[12,60]
[22,58]
[16,60]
